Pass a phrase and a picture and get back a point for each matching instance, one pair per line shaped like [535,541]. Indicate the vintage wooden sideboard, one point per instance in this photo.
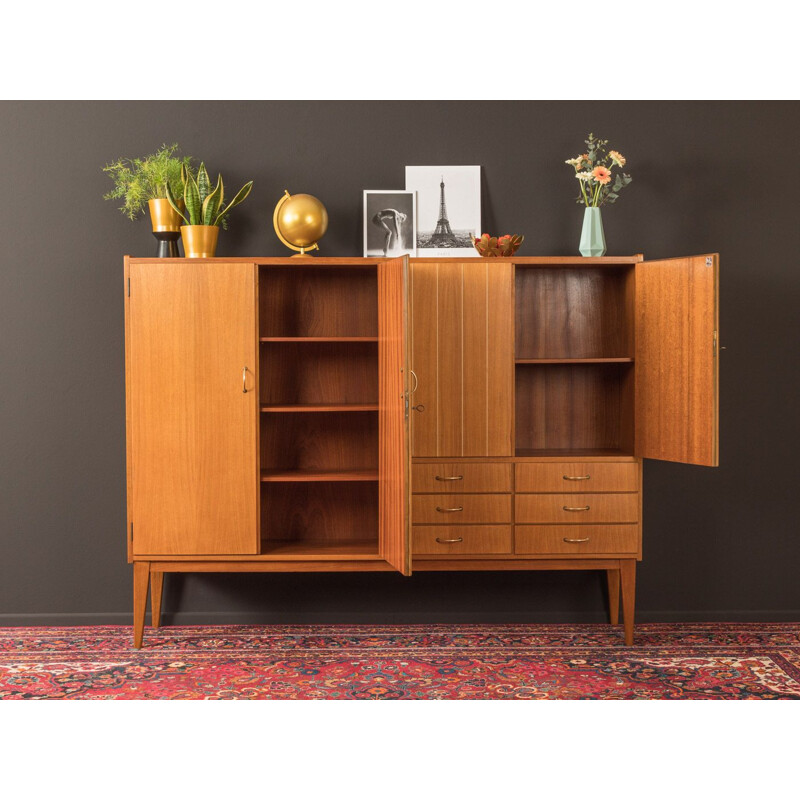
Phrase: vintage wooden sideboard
[352,414]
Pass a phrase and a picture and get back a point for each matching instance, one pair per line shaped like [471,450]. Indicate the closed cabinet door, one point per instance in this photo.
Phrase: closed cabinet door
[462,358]
[677,360]
[192,366]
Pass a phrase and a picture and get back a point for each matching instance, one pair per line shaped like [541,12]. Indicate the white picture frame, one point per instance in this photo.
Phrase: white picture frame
[458,190]
[390,223]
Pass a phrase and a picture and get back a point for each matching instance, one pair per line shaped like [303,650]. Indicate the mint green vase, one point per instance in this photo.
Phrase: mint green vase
[593,242]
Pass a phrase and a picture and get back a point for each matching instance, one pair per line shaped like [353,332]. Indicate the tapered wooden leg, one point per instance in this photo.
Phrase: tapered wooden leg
[141,578]
[613,595]
[628,581]
[156,592]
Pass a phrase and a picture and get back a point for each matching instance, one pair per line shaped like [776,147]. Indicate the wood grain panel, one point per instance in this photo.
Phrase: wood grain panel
[319,372]
[438,478]
[474,508]
[462,339]
[677,369]
[500,361]
[578,476]
[394,445]
[450,362]
[546,508]
[567,539]
[474,539]
[424,337]
[572,407]
[573,313]
[193,430]
[324,441]
[305,300]
[312,513]
[476,392]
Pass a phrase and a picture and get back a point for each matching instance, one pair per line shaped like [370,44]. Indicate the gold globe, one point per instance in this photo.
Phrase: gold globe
[300,221]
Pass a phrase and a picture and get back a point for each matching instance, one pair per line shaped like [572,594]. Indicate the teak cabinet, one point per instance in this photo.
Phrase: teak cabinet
[331,414]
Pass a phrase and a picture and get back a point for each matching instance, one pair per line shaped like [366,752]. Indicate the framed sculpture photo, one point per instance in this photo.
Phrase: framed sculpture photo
[390,223]
[448,209]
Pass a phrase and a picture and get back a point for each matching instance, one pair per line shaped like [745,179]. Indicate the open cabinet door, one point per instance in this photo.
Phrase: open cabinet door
[676,366]
[393,457]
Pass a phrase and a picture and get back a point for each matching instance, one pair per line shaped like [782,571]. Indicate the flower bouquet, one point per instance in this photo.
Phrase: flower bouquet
[594,170]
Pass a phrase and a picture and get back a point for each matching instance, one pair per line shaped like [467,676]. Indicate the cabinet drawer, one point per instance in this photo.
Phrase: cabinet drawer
[461,539]
[565,539]
[455,509]
[576,476]
[589,508]
[453,477]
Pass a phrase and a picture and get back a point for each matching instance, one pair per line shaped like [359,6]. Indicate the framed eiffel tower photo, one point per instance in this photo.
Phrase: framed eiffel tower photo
[448,209]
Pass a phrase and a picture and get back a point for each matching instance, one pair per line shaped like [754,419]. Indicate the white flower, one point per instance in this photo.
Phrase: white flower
[584,176]
[574,162]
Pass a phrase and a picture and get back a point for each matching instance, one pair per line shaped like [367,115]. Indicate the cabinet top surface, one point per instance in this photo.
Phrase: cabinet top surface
[345,261]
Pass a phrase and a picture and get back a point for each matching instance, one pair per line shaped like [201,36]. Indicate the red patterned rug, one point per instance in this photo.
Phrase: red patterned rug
[387,662]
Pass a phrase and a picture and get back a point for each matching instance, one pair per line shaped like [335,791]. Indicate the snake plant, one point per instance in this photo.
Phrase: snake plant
[205,206]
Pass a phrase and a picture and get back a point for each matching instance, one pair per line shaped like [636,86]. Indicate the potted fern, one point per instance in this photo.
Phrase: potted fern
[145,181]
[203,211]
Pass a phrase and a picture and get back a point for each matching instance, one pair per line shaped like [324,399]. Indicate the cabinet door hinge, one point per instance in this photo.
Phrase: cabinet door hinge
[129,287]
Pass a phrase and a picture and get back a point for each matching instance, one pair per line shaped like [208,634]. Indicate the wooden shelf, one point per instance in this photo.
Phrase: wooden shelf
[574,361]
[324,550]
[301,408]
[309,475]
[301,339]
[570,452]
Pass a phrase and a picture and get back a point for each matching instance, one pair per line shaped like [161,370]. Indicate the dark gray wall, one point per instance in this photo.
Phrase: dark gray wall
[719,543]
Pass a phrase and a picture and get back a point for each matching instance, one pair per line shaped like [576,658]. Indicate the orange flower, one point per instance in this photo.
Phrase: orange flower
[601,175]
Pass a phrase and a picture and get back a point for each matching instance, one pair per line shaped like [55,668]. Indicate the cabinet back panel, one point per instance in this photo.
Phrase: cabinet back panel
[574,313]
[304,301]
[324,441]
[319,372]
[306,512]
[566,407]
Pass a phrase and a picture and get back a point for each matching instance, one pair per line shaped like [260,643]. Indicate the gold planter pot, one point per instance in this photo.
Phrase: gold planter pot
[166,224]
[199,241]
[164,217]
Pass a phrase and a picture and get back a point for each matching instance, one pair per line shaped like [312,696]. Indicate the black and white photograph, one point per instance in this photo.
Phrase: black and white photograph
[389,223]
[448,209]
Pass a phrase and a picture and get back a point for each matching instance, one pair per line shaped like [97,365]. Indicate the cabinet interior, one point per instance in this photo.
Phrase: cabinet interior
[318,398]
[574,365]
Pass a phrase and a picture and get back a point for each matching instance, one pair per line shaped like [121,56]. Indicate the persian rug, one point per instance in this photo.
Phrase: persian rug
[387,662]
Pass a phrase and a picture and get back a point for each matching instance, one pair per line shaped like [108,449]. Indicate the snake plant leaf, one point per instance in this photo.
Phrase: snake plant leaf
[211,205]
[221,191]
[191,196]
[203,183]
[171,199]
[240,197]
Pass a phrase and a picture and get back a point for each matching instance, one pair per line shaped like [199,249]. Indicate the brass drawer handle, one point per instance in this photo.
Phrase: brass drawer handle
[576,541]
[576,477]
[575,508]
[449,510]
[244,380]
[449,477]
[450,541]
